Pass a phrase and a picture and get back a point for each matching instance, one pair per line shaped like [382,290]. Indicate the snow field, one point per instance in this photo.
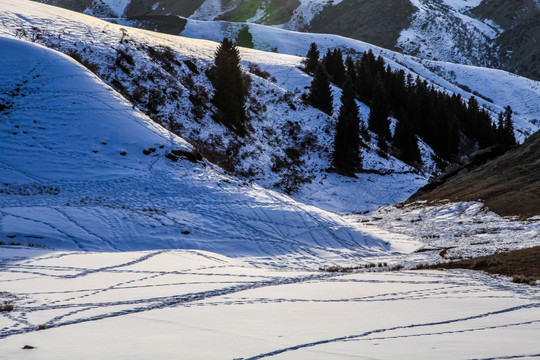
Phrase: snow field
[460,230]
[195,304]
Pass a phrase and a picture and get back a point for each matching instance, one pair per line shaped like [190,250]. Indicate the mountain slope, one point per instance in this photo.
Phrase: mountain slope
[508,185]
[81,169]
[372,21]
[492,33]
[288,144]
[494,89]
[265,38]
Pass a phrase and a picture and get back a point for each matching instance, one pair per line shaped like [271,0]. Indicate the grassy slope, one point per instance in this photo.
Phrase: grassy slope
[508,185]
[372,21]
[521,264]
[277,11]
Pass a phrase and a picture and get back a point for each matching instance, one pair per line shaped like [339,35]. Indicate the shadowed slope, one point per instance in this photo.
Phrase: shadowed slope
[508,185]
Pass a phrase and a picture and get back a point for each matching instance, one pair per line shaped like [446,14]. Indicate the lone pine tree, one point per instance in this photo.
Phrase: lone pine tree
[320,95]
[230,91]
[345,157]
[244,38]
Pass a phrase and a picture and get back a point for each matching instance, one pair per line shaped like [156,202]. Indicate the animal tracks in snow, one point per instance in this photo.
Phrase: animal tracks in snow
[183,295]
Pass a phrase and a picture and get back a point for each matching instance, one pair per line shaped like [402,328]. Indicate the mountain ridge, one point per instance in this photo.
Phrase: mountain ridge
[481,32]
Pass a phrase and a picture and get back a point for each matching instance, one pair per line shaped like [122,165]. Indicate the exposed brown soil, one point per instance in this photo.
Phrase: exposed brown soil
[522,265]
[374,21]
[508,185]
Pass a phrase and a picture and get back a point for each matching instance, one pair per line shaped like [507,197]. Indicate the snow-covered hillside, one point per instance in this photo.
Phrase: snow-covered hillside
[118,240]
[492,33]
[81,169]
[442,30]
[289,144]
[494,89]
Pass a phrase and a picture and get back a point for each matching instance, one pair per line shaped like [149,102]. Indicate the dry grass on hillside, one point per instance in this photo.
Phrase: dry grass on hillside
[508,185]
[522,265]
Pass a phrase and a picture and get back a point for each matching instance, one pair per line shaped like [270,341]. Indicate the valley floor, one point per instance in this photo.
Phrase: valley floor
[191,304]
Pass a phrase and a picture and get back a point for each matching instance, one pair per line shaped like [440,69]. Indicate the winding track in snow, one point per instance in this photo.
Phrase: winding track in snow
[382,330]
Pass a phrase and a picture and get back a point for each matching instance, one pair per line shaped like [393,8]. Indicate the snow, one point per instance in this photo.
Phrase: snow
[92,188]
[194,304]
[118,6]
[463,230]
[133,256]
[276,126]
[95,201]
[503,88]
[210,9]
[461,5]
[444,30]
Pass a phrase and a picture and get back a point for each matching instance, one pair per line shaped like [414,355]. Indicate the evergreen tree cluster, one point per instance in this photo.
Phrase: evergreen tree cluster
[443,121]
[505,129]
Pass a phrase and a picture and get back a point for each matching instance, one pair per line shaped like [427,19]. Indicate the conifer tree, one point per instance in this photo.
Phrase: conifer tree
[320,95]
[338,68]
[405,143]
[486,132]
[328,62]
[508,130]
[378,116]
[244,38]
[312,59]
[230,91]
[350,70]
[500,129]
[345,157]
